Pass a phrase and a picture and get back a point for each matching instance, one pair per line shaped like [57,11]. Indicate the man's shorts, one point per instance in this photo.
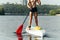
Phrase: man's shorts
[33,9]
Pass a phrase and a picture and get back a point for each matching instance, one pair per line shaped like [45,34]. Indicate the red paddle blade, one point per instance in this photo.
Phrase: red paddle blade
[19,30]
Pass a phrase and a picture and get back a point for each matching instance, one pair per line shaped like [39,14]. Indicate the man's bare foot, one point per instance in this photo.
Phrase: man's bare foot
[29,28]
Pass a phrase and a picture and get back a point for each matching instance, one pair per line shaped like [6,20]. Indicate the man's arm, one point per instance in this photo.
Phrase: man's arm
[29,5]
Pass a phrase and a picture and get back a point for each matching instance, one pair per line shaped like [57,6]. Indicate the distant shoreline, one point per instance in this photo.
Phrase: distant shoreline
[57,14]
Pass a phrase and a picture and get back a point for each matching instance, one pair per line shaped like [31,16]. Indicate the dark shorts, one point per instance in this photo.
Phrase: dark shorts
[33,9]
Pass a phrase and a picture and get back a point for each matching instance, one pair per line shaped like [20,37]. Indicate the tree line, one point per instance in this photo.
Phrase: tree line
[19,9]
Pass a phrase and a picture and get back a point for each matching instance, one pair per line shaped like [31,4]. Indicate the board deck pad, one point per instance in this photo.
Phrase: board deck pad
[36,32]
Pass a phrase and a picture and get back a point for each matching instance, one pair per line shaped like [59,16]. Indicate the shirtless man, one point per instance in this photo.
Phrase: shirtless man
[33,11]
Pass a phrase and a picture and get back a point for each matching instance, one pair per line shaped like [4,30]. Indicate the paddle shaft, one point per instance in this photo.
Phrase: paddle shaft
[25,18]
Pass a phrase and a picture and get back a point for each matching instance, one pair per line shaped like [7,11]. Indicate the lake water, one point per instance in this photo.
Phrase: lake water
[9,24]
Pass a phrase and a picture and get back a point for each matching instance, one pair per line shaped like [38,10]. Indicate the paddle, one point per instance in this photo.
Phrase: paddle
[20,28]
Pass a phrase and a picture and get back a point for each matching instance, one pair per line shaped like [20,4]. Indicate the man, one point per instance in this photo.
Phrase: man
[33,11]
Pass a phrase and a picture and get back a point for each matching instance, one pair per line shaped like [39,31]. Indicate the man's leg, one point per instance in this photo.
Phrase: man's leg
[36,19]
[30,19]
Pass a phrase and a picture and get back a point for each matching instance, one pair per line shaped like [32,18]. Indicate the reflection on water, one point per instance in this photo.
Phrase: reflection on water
[19,36]
[30,37]
[34,37]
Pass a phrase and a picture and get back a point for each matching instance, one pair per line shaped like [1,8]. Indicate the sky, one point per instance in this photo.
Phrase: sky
[48,2]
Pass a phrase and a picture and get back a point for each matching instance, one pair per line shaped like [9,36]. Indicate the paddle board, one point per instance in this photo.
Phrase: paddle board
[36,32]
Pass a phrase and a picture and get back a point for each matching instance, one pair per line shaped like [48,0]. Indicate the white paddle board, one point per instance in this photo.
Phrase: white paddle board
[36,32]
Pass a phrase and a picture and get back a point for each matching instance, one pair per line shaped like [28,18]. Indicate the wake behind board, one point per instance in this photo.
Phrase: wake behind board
[36,32]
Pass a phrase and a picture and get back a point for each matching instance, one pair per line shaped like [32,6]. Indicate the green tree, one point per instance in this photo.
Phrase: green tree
[52,12]
[1,10]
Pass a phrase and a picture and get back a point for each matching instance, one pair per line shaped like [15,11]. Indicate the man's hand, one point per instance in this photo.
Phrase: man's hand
[29,6]
[39,2]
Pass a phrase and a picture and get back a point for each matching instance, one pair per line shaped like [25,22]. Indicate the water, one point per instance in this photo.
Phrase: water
[8,25]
